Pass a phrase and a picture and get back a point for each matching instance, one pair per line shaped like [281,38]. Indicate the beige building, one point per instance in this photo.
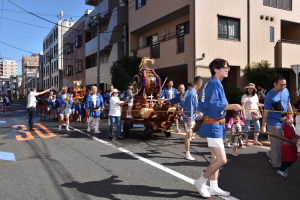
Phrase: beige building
[8,68]
[178,32]
[30,67]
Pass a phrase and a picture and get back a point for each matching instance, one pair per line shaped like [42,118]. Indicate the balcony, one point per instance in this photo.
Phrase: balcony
[287,53]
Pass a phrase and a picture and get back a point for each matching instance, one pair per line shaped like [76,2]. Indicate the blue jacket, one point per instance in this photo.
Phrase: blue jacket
[166,93]
[189,104]
[212,104]
[106,98]
[94,109]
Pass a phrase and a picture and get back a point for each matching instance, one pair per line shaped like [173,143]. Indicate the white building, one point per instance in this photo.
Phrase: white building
[53,54]
[113,40]
[8,68]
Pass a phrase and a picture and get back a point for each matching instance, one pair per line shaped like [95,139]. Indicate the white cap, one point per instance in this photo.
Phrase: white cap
[115,90]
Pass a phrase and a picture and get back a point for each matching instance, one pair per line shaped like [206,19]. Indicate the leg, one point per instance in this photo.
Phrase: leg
[285,164]
[187,142]
[61,119]
[256,129]
[247,128]
[118,123]
[90,120]
[111,125]
[67,121]
[275,152]
[97,122]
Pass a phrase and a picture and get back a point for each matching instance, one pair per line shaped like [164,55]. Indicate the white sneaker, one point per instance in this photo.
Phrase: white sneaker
[218,192]
[59,127]
[191,158]
[243,147]
[88,130]
[97,132]
[228,145]
[67,129]
[178,130]
[93,127]
[202,189]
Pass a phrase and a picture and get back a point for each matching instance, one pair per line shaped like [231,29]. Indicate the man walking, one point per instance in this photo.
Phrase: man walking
[277,99]
[31,104]
[189,105]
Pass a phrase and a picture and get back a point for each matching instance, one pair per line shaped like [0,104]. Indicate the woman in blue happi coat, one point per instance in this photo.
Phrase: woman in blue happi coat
[94,104]
[214,105]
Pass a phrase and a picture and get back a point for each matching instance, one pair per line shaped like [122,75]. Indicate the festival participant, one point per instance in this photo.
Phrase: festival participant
[42,106]
[178,97]
[31,104]
[94,104]
[169,92]
[115,113]
[107,97]
[130,95]
[54,104]
[64,109]
[278,100]
[189,104]
[48,109]
[7,102]
[214,105]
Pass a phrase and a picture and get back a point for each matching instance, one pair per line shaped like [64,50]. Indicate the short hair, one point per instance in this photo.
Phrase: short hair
[217,63]
[190,84]
[33,88]
[279,78]
[261,85]
[93,87]
[129,84]
[198,80]
[169,80]
[110,85]
[181,85]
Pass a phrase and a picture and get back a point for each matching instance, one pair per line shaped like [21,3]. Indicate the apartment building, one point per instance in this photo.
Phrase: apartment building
[53,54]
[112,18]
[30,67]
[74,55]
[184,36]
[8,68]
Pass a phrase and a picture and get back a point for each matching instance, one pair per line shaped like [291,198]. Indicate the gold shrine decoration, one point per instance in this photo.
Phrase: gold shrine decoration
[145,62]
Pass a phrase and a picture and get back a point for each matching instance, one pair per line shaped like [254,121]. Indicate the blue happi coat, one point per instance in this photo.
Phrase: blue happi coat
[212,104]
[63,103]
[189,104]
[95,110]
[167,94]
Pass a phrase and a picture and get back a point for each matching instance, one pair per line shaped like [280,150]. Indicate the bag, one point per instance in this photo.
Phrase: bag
[2,108]
[256,115]
[277,106]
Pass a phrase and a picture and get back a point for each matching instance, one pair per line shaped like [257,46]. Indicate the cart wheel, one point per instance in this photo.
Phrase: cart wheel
[126,129]
[168,134]
[147,133]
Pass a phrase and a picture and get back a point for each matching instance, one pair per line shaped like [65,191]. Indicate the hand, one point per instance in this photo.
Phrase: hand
[298,142]
[245,118]
[236,107]
[262,130]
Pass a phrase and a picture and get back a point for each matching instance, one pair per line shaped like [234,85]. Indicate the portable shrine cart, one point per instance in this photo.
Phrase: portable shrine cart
[157,115]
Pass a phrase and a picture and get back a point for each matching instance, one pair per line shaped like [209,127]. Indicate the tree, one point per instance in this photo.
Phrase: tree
[261,72]
[123,71]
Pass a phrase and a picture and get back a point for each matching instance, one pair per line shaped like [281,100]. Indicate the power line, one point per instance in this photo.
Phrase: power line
[26,23]
[16,47]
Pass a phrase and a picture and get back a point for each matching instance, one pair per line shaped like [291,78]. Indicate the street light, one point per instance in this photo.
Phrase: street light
[296,69]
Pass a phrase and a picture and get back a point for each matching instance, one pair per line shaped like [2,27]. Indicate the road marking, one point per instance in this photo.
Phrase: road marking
[2,122]
[154,164]
[29,134]
[7,156]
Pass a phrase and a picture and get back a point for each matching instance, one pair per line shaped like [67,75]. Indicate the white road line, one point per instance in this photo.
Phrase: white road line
[154,164]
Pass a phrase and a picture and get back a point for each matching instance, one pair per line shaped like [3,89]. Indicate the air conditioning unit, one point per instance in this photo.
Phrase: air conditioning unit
[142,41]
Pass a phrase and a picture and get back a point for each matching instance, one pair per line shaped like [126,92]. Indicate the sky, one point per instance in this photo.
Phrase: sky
[28,37]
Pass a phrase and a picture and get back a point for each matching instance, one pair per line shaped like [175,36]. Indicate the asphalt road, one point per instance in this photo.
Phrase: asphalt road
[77,165]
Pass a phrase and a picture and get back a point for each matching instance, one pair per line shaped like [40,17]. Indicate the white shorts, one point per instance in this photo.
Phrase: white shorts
[215,142]
[64,114]
[130,104]
[187,128]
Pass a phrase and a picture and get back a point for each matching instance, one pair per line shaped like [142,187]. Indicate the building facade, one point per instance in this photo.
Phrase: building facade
[74,55]
[14,84]
[53,54]
[112,18]
[30,67]
[8,68]
[178,33]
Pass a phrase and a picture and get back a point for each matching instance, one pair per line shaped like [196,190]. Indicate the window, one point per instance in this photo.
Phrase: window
[152,41]
[78,41]
[140,3]
[228,28]
[29,62]
[69,70]
[78,66]
[272,34]
[68,48]
[281,4]
[181,30]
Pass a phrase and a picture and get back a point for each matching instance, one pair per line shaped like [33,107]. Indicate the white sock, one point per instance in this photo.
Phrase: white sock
[213,183]
[202,180]
[188,154]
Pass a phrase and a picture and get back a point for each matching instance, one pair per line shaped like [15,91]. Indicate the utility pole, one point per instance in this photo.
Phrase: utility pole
[98,46]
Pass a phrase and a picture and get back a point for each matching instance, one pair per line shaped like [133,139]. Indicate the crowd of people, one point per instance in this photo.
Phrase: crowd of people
[211,106]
